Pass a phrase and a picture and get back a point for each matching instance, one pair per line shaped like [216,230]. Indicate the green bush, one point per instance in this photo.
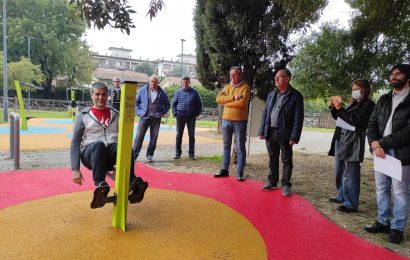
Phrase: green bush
[208,96]
[315,105]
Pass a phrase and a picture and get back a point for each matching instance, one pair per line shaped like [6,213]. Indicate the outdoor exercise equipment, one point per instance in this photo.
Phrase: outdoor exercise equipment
[30,87]
[24,125]
[123,163]
[72,103]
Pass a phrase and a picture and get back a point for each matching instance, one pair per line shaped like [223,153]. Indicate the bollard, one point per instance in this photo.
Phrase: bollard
[11,135]
[15,139]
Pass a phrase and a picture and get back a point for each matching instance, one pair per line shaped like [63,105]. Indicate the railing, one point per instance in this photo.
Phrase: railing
[15,139]
[326,120]
[46,104]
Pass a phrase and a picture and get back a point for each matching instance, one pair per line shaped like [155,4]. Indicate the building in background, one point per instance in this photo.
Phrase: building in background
[107,74]
[120,58]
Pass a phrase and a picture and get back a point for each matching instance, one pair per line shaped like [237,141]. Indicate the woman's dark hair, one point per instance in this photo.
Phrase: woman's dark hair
[365,85]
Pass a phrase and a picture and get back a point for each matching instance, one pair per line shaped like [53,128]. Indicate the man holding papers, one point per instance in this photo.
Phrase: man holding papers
[348,143]
[388,133]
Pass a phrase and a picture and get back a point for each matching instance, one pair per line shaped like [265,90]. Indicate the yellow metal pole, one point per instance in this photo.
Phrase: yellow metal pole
[122,178]
[24,125]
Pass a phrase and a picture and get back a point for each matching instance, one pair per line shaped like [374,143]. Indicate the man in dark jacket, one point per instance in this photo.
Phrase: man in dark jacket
[281,126]
[151,105]
[388,133]
[115,93]
[186,106]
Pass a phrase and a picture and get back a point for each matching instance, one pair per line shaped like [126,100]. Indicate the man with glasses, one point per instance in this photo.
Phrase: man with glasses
[388,133]
[281,127]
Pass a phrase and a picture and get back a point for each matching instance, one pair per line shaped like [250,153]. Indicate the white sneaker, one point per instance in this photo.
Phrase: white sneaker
[149,158]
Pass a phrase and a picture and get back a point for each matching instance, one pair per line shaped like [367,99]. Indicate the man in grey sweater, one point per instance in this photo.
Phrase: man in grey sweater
[94,142]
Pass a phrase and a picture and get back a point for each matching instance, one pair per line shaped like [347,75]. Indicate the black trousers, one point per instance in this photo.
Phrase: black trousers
[100,159]
[190,123]
[286,155]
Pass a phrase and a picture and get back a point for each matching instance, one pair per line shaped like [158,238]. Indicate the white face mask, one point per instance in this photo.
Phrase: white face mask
[356,94]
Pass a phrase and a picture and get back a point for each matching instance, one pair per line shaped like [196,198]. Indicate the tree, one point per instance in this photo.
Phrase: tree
[56,28]
[332,58]
[380,35]
[146,68]
[252,34]
[114,13]
[176,71]
[24,71]
[323,66]
[82,64]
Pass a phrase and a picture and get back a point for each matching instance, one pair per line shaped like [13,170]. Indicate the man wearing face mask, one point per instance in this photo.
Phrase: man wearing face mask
[389,133]
[348,144]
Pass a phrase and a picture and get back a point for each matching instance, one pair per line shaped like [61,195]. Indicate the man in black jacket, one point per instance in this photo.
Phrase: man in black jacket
[388,133]
[281,126]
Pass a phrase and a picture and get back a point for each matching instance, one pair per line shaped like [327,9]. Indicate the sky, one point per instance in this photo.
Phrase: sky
[161,37]
[156,39]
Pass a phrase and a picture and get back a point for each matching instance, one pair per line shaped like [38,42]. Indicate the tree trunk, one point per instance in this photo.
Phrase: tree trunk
[219,127]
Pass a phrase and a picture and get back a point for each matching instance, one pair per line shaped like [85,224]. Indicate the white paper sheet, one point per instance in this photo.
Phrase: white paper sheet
[343,124]
[389,166]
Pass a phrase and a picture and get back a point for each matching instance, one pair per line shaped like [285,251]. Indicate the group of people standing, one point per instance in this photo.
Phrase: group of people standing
[386,125]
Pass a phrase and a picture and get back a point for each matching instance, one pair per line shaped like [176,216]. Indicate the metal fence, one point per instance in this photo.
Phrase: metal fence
[323,120]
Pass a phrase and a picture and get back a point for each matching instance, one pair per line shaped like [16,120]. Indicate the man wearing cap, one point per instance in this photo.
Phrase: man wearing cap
[388,133]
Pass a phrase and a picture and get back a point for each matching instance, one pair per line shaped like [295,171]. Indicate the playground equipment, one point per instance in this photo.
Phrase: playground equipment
[18,85]
[24,125]
[123,162]
[72,103]
[30,86]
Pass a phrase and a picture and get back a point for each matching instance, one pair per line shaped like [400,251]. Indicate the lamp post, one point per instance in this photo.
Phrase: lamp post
[29,59]
[29,46]
[182,58]
[5,92]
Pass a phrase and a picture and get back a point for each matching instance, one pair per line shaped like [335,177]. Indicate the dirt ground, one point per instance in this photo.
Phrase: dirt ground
[312,179]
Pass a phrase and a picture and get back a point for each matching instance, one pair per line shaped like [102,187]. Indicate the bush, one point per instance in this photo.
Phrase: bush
[315,106]
[208,96]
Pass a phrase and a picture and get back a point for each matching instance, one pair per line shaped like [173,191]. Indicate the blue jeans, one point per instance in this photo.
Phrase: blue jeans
[347,181]
[190,123]
[153,124]
[239,129]
[401,196]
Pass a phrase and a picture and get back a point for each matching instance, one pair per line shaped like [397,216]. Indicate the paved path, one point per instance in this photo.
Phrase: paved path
[311,142]
[46,144]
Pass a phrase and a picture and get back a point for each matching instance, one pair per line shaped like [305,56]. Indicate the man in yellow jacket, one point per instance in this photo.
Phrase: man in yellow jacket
[235,99]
